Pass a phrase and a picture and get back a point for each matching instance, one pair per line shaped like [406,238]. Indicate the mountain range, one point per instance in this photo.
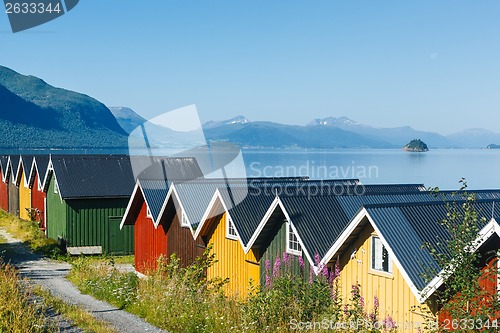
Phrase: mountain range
[331,132]
[34,114]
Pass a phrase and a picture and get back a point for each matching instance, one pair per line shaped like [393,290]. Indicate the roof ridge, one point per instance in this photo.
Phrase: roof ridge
[424,203]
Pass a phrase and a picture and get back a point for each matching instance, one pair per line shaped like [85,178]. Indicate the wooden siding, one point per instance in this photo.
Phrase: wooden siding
[241,269]
[38,200]
[180,240]
[24,198]
[4,194]
[56,214]
[150,243]
[13,196]
[93,222]
[395,297]
[275,247]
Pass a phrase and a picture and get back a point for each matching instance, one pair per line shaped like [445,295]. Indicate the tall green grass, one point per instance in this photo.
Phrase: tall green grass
[17,312]
[30,233]
[184,300]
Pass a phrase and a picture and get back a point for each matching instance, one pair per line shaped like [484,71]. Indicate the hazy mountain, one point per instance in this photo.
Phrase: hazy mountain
[127,118]
[238,120]
[34,114]
[474,138]
[398,136]
[337,132]
[274,135]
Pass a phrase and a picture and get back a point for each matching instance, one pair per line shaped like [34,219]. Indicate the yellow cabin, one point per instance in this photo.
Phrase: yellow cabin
[22,181]
[220,231]
[381,251]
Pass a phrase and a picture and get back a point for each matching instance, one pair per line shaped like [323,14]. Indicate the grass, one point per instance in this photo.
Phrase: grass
[17,312]
[29,233]
[76,314]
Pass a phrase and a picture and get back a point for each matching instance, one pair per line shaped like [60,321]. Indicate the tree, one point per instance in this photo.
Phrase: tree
[464,303]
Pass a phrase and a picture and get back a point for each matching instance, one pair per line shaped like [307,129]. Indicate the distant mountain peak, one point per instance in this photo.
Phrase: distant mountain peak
[341,122]
[235,120]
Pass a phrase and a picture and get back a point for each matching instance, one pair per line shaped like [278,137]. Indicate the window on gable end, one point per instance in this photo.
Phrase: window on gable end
[230,229]
[292,241]
[184,219]
[56,187]
[380,259]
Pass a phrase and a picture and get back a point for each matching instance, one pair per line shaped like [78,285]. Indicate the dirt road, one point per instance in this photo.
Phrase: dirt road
[51,275]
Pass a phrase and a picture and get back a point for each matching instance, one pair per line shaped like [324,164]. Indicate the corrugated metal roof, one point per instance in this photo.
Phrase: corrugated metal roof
[93,176]
[165,168]
[41,165]
[4,159]
[321,219]
[155,192]
[419,223]
[252,205]
[27,163]
[13,164]
[195,196]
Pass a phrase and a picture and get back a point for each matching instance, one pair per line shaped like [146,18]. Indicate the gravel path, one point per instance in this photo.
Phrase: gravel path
[51,275]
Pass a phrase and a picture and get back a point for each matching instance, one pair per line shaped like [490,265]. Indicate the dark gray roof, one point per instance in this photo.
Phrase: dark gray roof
[112,176]
[4,159]
[155,192]
[321,219]
[13,164]
[252,205]
[41,165]
[418,222]
[93,176]
[195,195]
[165,168]
[27,163]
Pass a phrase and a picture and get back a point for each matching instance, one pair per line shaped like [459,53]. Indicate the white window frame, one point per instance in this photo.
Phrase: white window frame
[184,219]
[56,187]
[148,212]
[373,257]
[231,232]
[290,249]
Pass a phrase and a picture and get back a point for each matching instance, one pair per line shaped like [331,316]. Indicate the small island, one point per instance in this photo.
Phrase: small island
[493,146]
[416,145]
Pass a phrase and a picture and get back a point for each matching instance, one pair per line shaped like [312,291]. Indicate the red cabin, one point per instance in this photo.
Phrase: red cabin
[36,181]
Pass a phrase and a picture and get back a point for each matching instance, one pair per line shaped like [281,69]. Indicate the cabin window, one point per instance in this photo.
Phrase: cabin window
[230,229]
[380,257]
[293,245]
[56,188]
[148,213]
[184,220]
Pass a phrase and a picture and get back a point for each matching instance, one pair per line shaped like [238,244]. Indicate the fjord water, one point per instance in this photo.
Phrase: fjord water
[440,167]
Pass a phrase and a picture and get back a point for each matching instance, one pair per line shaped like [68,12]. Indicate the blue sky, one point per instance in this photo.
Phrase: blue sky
[434,65]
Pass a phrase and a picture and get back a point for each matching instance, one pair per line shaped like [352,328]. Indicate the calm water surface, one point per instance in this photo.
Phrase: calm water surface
[440,167]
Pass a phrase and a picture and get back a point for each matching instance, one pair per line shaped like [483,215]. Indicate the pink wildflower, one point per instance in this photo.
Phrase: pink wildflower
[268,265]
[268,281]
[337,268]
[301,262]
[276,268]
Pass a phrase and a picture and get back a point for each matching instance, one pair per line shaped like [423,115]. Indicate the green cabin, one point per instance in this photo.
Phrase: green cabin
[86,200]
